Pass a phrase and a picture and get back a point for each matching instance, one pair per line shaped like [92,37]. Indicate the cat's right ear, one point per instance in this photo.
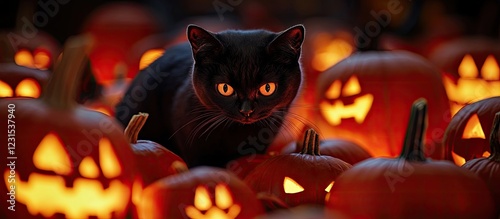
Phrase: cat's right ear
[202,40]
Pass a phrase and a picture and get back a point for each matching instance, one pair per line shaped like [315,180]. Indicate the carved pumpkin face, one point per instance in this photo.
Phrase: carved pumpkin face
[298,178]
[203,192]
[19,81]
[51,156]
[70,162]
[40,58]
[364,99]
[467,135]
[470,68]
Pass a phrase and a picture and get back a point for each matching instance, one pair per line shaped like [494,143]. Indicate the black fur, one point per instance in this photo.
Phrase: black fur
[190,117]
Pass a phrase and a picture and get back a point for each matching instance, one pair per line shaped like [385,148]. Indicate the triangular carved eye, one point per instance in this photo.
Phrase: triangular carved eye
[28,88]
[468,68]
[50,155]
[291,187]
[351,87]
[329,187]
[5,90]
[490,70]
[333,91]
[109,162]
[473,128]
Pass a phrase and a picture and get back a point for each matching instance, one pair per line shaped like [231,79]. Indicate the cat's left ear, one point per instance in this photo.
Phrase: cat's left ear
[289,40]
[201,40]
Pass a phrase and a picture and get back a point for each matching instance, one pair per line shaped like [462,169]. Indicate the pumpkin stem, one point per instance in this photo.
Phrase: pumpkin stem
[494,140]
[311,143]
[414,140]
[134,127]
[60,91]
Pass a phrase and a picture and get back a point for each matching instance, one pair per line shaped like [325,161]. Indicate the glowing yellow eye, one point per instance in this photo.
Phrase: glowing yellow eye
[291,187]
[28,88]
[5,90]
[225,89]
[267,89]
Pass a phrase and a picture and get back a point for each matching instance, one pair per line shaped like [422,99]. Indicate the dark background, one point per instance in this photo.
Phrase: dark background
[479,17]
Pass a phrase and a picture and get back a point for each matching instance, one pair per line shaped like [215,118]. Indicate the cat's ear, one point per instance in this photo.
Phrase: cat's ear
[202,40]
[289,40]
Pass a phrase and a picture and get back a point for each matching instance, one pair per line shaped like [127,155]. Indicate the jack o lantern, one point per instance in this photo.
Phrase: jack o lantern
[69,161]
[115,35]
[153,160]
[470,69]
[39,52]
[16,80]
[298,178]
[363,99]
[466,135]
[413,186]
[201,193]
[488,168]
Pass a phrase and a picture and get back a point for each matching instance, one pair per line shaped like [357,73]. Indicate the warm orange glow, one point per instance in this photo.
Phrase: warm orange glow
[329,52]
[467,68]
[329,187]
[333,91]
[149,57]
[109,162]
[24,58]
[28,88]
[5,90]
[490,70]
[351,87]
[50,155]
[88,168]
[291,187]
[334,113]
[459,160]
[473,128]
[223,200]
[202,198]
[469,88]
[102,110]
[41,59]
[48,195]
[486,154]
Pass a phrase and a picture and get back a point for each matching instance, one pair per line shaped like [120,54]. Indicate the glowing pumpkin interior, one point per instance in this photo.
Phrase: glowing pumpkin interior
[473,84]
[473,130]
[334,110]
[26,88]
[87,197]
[204,208]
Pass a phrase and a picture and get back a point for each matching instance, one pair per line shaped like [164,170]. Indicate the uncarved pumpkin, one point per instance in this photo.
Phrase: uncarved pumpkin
[70,162]
[365,97]
[411,186]
[466,135]
[488,168]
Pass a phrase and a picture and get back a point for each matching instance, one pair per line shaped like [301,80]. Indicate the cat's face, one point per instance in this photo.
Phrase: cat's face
[246,75]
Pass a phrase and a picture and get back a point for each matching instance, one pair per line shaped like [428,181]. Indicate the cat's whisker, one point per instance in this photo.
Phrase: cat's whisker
[200,117]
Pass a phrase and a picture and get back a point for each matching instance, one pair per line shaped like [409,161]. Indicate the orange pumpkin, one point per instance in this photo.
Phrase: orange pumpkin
[70,162]
[364,99]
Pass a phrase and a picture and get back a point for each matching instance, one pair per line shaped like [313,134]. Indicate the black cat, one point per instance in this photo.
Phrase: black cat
[220,96]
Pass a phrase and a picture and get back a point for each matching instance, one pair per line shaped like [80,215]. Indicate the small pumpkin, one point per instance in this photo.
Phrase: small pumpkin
[465,136]
[488,168]
[298,178]
[154,161]
[70,162]
[412,185]
[201,193]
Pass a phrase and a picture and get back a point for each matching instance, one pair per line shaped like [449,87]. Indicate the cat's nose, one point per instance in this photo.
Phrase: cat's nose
[246,108]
